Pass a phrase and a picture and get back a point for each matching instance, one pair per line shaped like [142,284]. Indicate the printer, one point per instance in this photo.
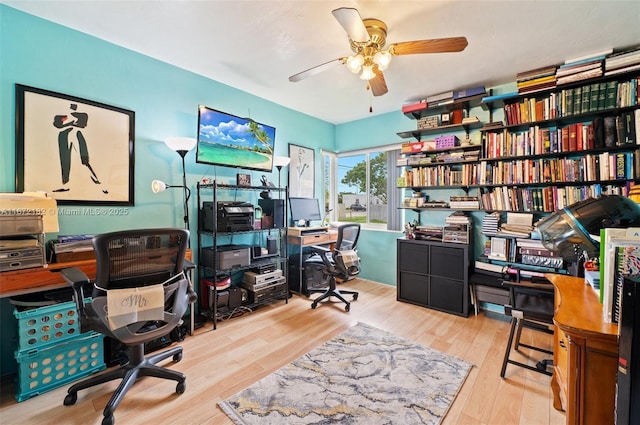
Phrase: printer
[232,216]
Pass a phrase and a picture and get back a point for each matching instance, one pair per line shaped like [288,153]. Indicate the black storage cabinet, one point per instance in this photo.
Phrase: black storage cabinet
[434,275]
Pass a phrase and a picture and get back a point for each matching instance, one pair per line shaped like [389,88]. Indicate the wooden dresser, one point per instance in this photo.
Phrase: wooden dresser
[585,354]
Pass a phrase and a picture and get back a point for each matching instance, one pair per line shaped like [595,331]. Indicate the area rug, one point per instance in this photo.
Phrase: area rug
[362,376]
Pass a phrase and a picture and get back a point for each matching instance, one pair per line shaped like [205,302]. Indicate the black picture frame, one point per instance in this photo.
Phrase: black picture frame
[301,171]
[77,150]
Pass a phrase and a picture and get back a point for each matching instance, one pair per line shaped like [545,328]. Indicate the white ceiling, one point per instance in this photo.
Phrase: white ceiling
[256,45]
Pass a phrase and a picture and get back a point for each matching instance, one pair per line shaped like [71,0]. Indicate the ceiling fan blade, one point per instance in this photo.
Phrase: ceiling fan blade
[378,84]
[435,45]
[316,69]
[352,23]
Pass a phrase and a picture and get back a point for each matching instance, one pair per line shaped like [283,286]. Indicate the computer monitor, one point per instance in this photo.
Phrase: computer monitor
[306,209]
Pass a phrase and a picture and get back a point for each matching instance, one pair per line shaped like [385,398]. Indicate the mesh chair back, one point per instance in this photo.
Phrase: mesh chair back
[345,256]
[136,258]
[348,236]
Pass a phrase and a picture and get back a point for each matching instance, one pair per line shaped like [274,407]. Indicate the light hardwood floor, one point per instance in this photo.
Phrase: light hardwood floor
[242,350]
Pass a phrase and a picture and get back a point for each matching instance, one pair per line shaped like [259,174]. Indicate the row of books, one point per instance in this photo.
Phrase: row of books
[71,248]
[536,79]
[444,98]
[604,166]
[426,158]
[464,202]
[621,62]
[574,101]
[577,69]
[619,257]
[525,251]
[609,131]
[587,168]
[441,175]
[544,199]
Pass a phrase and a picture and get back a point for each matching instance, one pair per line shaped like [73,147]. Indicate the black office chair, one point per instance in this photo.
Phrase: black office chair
[144,267]
[340,263]
[531,305]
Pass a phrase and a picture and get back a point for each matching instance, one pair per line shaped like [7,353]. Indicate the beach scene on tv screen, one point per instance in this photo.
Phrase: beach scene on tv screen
[235,142]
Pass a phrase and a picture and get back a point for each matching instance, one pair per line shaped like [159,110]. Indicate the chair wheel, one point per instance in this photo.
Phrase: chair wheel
[314,305]
[70,399]
[177,357]
[108,420]
[355,297]
[181,387]
[347,307]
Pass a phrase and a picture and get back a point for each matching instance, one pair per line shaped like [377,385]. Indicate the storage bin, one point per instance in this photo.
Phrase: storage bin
[42,370]
[444,142]
[44,326]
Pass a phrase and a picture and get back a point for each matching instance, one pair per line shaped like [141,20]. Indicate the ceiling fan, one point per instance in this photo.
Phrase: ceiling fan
[367,38]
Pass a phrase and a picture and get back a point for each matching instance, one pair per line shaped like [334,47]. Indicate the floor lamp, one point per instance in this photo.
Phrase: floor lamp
[279,162]
[181,145]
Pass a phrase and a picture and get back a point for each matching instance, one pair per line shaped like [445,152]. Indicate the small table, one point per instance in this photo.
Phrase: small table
[300,240]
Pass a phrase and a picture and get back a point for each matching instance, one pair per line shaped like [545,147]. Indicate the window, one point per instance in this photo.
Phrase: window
[360,187]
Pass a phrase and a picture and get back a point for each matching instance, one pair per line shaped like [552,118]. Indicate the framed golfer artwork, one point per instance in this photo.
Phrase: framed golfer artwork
[77,150]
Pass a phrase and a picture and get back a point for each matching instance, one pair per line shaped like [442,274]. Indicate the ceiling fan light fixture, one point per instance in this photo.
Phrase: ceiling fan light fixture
[382,58]
[367,72]
[354,63]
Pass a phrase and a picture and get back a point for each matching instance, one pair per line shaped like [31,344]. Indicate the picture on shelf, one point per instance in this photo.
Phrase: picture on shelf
[243,179]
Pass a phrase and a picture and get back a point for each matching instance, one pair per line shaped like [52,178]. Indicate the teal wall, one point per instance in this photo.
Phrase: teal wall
[48,56]
[165,100]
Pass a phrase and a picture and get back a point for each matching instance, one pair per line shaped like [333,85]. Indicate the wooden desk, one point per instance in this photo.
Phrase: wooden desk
[299,242]
[585,354]
[39,279]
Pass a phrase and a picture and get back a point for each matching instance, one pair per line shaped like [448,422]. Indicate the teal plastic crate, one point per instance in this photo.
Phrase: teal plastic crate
[42,370]
[45,326]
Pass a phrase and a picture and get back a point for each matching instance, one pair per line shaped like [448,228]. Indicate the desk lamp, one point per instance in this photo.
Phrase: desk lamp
[181,145]
[569,232]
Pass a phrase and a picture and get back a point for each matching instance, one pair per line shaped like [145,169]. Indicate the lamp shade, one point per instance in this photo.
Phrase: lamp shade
[180,143]
[281,161]
[158,186]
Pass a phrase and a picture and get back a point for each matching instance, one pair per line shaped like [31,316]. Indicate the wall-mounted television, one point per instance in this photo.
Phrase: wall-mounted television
[231,141]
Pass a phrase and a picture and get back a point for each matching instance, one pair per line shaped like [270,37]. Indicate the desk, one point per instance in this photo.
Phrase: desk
[299,242]
[39,279]
[585,354]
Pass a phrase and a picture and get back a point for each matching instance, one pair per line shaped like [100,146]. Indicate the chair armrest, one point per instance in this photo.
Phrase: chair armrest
[323,253]
[77,279]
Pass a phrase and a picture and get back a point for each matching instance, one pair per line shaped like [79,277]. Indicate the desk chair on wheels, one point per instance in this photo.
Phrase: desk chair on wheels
[530,305]
[134,268]
[342,263]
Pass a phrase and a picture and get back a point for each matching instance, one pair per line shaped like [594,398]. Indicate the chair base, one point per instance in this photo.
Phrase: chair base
[514,337]
[137,367]
[332,291]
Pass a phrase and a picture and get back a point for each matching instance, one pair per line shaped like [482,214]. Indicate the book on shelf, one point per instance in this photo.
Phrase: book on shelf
[628,68]
[499,249]
[590,56]
[469,92]
[622,59]
[490,267]
[536,73]
[579,76]
[414,107]
[434,98]
[575,68]
[592,277]
[610,240]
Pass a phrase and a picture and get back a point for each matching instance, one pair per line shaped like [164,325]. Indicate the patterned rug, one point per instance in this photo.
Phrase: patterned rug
[362,376]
